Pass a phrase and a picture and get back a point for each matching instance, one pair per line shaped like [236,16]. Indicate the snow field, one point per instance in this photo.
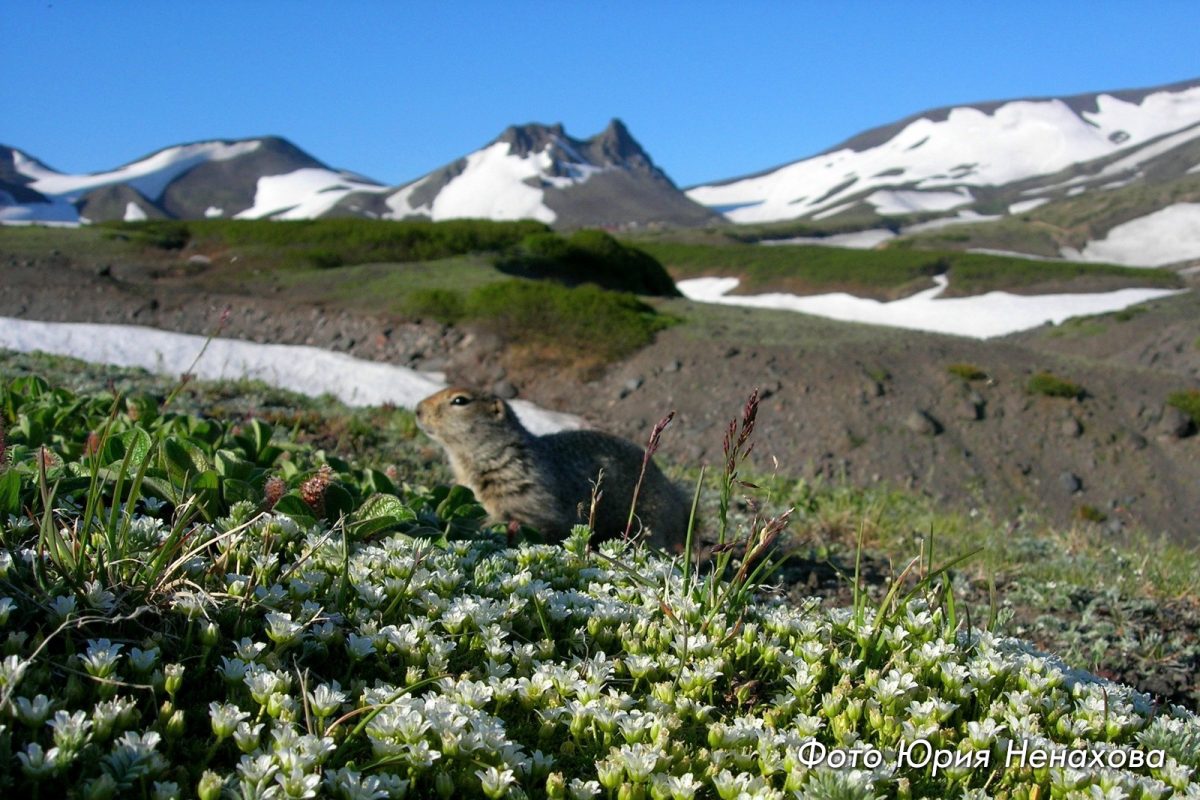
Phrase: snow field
[308,370]
[980,317]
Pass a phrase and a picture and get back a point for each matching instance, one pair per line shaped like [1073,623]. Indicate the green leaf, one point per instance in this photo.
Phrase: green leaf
[142,408]
[137,441]
[376,481]
[230,465]
[460,504]
[10,492]
[338,501]
[380,512]
[234,490]
[207,488]
[293,505]
[384,505]
[184,460]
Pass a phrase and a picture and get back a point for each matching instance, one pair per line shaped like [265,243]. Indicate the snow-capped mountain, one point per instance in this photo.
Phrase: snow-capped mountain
[539,172]
[1111,176]
[245,178]
[973,158]
[531,171]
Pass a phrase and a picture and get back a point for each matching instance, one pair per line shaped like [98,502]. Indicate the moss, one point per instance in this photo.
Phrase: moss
[1087,513]
[968,372]
[1187,401]
[1050,385]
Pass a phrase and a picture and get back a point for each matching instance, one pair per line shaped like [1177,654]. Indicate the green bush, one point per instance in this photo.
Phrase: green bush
[1187,401]
[161,234]
[583,319]
[323,258]
[354,241]
[589,256]
[968,372]
[1050,385]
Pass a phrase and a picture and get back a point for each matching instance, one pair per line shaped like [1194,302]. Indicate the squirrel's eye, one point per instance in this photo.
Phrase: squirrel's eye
[459,400]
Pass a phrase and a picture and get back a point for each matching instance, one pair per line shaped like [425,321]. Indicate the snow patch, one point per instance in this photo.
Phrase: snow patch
[964,217]
[308,370]
[134,212]
[855,240]
[1167,236]
[303,194]
[908,201]
[401,205]
[149,176]
[213,211]
[981,317]
[1027,205]
[493,186]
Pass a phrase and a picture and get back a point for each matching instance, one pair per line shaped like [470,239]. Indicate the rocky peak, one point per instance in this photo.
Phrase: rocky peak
[534,137]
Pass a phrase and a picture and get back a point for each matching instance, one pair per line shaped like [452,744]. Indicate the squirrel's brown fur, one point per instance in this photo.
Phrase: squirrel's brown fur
[546,481]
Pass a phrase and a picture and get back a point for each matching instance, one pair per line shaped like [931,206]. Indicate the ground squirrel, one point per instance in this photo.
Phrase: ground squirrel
[546,481]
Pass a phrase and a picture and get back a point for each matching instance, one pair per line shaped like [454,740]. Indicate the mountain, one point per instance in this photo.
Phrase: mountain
[538,171]
[1134,154]
[264,177]
[532,170]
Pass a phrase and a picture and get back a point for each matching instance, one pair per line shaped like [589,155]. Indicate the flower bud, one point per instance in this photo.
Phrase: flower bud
[210,634]
[556,786]
[102,788]
[444,785]
[173,678]
[176,726]
[210,786]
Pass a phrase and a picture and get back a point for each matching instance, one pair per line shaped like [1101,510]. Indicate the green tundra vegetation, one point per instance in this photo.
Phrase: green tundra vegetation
[201,602]
[887,272]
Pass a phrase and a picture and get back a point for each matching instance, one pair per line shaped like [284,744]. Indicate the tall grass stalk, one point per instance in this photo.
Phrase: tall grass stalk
[652,446]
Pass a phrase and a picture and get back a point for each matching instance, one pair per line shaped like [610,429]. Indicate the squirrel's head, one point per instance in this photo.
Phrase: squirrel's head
[458,415]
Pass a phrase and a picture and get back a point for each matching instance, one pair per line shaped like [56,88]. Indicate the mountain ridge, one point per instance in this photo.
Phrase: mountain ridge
[1134,152]
[531,170]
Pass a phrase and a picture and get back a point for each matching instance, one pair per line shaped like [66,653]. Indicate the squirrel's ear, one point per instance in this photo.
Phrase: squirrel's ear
[498,408]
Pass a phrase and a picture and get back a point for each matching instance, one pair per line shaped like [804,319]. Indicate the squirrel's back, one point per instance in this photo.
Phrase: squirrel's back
[547,482]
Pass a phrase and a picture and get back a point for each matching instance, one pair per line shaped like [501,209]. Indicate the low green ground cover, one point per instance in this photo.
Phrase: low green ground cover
[208,606]
[888,271]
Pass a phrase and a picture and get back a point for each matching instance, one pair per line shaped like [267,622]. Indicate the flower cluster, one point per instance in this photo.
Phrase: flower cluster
[295,661]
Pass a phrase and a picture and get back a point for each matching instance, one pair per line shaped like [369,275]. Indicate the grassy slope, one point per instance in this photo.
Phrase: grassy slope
[889,272]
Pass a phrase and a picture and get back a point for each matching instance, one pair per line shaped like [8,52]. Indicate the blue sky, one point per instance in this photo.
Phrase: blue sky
[392,90]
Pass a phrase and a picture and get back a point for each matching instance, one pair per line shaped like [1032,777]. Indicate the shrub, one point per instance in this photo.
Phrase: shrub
[1087,513]
[1187,401]
[323,258]
[584,319]
[352,241]
[589,256]
[162,234]
[1050,385]
[968,372]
